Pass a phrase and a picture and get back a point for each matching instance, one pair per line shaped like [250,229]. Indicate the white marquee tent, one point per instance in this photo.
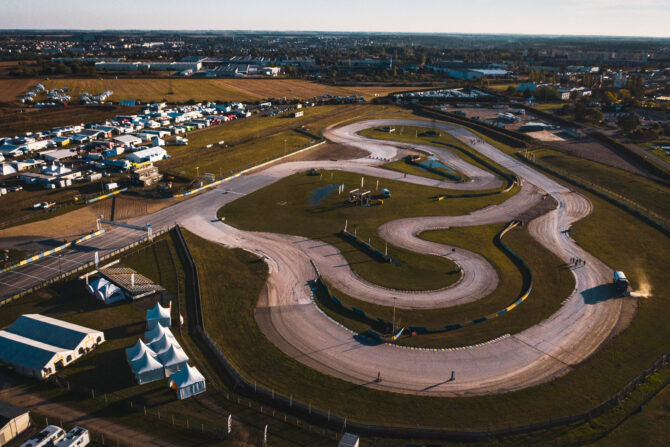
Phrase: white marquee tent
[187,382]
[135,352]
[147,369]
[163,344]
[156,334]
[158,315]
[105,291]
[174,359]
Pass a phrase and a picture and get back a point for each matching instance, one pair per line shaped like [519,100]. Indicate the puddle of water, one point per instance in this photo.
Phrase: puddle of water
[433,163]
[321,193]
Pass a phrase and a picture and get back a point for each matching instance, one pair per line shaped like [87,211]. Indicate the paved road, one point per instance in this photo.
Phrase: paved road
[290,319]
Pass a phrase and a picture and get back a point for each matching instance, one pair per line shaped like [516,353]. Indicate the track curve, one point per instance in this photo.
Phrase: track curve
[289,318]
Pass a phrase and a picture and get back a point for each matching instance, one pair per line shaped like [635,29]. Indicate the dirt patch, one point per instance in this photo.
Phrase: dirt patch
[330,151]
[592,150]
[82,221]
[545,205]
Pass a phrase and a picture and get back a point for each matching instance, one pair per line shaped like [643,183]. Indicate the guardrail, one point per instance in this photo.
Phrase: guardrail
[244,171]
[377,321]
[367,247]
[106,196]
[82,267]
[335,422]
[52,251]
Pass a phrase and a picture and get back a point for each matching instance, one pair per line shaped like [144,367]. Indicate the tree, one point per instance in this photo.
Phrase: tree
[628,123]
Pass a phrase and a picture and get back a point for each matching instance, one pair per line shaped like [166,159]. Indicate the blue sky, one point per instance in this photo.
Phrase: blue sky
[590,17]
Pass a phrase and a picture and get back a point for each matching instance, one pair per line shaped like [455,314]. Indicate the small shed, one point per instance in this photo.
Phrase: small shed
[187,382]
[158,315]
[147,369]
[174,359]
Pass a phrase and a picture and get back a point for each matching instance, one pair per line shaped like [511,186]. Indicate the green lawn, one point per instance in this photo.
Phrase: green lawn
[285,207]
[647,193]
[552,284]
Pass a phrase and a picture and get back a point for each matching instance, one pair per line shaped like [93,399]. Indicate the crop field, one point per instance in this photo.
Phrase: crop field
[182,90]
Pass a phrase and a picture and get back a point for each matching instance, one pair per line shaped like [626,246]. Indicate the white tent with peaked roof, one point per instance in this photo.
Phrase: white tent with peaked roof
[105,291]
[174,359]
[156,334]
[187,382]
[147,369]
[158,315]
[163,344]
[135,352]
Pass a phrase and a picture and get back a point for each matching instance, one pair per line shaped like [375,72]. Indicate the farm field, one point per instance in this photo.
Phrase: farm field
[181,90]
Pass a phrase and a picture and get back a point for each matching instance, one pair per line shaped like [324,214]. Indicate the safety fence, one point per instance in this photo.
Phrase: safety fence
[52,251]
[296,412]
[659,222]
[385,325]
[245,171]
[106,196]
[366,246]
[82,267]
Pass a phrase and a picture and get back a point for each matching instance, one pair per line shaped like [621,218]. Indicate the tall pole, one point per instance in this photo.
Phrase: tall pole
[394,299]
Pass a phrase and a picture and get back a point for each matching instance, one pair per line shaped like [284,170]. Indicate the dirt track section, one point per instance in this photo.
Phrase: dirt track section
[300,329]
[533,356]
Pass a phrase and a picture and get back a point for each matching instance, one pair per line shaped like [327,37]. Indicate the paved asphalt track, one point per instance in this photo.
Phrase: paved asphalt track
[288,317]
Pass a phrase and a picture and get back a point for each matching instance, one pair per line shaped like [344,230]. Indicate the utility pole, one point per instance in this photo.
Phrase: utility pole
[197,172]
[394,300]
[284,146]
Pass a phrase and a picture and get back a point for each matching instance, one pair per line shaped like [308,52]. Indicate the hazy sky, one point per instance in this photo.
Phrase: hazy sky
[603,17]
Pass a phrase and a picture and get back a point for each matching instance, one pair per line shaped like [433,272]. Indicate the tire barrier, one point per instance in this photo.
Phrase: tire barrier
[244,171]
[380,322]
[52,251]
[366,247]
[106,196]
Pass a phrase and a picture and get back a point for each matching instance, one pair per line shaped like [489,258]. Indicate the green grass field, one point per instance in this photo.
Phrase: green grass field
[552,284]
[586,386]
[285,207]
[647,193]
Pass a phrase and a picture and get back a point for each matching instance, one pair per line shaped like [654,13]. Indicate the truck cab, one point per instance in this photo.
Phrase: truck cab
[620,283]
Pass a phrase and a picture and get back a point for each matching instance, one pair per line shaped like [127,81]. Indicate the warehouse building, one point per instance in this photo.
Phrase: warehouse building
[30,357]
[53,344]
[13,421]
[150,154]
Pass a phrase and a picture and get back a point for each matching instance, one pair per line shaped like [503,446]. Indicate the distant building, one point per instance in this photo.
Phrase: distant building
[150,154]
[146,175]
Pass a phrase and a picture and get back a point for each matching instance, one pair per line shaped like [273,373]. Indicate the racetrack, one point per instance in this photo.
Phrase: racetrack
[289,318]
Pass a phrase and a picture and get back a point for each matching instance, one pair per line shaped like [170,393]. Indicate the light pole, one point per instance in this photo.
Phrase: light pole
[284,146]
[394,300]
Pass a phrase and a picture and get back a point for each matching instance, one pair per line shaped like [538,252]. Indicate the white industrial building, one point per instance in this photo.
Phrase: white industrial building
[150,154]
[37,345]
